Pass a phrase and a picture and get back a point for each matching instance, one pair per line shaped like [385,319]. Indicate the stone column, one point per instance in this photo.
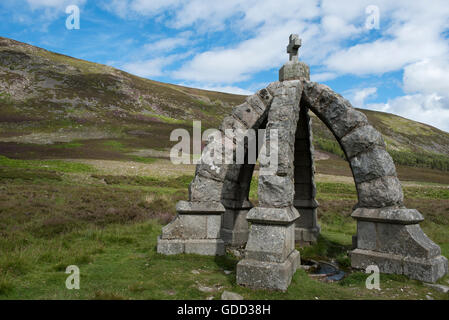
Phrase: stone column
[270,256]
[235,228]
[307,227]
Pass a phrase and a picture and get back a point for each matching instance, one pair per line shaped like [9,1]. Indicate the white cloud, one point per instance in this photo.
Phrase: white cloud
[168,44]
[323,76]
[412,37]
[411,32]
[56,4]
[358,96]
[149,68]
[427,108]
[428,76]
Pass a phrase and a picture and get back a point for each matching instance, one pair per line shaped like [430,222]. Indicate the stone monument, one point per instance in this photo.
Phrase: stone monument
[218,210]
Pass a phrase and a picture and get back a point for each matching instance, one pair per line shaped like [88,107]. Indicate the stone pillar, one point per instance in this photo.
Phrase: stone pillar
[307,227]
[234,230]
[234,224]
[270,256]
[392,239]
[196,229]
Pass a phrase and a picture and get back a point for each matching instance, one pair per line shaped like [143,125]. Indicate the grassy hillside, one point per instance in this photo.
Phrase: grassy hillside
[53,105]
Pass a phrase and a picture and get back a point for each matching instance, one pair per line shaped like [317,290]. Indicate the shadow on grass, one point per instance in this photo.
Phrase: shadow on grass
[326,249]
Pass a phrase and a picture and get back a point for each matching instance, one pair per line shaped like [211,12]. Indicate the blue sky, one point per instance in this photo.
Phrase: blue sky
[400,67]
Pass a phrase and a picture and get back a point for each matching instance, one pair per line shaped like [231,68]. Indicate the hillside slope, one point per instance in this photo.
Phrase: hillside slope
[46,98]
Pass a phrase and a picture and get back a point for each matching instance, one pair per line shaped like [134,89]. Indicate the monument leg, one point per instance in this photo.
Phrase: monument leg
[235,228]
[270,256]
[392,239]
[196,229]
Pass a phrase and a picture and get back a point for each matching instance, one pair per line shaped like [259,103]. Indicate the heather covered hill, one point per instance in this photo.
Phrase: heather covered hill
[48,98]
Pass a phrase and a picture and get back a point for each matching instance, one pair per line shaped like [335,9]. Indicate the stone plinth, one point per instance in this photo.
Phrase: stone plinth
[270,258]
[196,229]
[307,228]
[294,70]
[235,229]
[392,239]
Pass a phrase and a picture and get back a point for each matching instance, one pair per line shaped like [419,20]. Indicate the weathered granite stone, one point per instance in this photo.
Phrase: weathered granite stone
[399,239]
[227,295]
[235,227]
[334,110]
[265,97]
[438,287]
[380,192]
[360,139]
[260,102]
[207,247]
[272,243]
[232,123]
[427,270]
[294,71]
[371,164]
[196,229]
[250,116]
[276,191]
[267,275]
[398,215]
[205,189]
[281,216]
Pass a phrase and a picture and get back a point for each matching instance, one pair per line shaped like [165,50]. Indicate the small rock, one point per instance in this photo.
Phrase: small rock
[305,267]
[195,272]
[170,292]
[438,287]
[210,298]
[206,289]
[236,253]
[429,297]
[227,295]
[227,272]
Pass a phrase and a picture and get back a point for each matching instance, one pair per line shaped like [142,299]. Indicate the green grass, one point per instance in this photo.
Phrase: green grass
[115,145]
[143,159]
[50,165]
[107,225]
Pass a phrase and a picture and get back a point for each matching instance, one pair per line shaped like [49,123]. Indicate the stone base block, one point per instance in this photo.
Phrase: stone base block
[267,275]
[235,228]
[427,270]
[234,238]
[307,236]
[294,70]
[208,247]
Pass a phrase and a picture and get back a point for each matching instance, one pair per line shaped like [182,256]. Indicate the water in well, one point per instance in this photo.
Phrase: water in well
[323,270]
